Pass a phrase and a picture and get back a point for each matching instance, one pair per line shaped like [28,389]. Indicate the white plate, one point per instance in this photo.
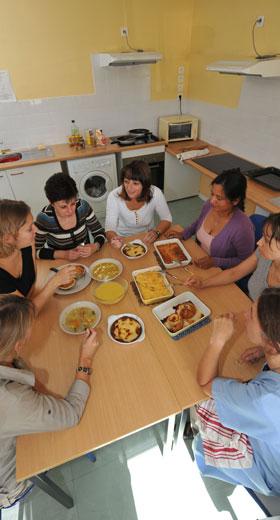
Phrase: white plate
[174,263]
[80,284]
[76,305]
[104,261]
[135,242]
[165,309]
[115,317]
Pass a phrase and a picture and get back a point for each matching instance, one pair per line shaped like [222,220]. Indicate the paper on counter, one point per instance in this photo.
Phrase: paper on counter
[6,89]
[191,154]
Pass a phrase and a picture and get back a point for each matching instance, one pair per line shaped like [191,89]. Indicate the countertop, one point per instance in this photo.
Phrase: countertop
[63,152]
[258,194]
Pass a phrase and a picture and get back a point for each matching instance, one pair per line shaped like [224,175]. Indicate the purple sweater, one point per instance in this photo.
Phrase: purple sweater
[233,244]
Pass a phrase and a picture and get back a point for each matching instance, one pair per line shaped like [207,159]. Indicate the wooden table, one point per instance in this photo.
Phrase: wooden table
[132,386]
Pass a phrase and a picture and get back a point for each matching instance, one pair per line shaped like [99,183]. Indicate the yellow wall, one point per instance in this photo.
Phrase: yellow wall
[222,30]
[46,45]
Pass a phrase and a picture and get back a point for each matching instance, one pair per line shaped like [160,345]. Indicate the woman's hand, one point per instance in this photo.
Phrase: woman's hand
[223,329]
[150,237]
[69,254]
[89,345]
[63,276]
[88,249]
[193,281]
[252,355]
[116,242]
[205,262]
[173,233]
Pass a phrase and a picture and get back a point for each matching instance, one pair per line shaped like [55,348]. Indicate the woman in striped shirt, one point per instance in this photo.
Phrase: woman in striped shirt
[65,225]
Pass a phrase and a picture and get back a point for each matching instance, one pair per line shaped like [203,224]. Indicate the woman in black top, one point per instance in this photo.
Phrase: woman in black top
[17,255]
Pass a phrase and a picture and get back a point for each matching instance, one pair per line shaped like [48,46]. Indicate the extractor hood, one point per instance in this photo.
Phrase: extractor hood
[264,68]
[121,59]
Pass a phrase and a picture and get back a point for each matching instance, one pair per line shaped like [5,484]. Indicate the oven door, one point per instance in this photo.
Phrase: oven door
[95,186]
[153,155]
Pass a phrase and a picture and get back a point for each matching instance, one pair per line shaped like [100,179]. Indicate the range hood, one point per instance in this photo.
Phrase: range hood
[264,68]
[122,59]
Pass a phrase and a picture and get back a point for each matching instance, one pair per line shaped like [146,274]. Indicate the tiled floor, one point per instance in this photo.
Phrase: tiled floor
[130,479]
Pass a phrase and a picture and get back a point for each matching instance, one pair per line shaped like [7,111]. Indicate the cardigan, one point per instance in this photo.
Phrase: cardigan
[234,243]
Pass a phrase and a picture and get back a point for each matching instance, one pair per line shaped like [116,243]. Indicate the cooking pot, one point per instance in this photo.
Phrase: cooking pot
[139,132]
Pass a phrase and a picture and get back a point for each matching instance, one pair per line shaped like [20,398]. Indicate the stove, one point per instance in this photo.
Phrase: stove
[135,137]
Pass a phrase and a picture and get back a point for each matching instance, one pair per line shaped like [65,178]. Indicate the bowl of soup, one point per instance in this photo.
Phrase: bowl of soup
[105,269]
[79,316]
[109,293]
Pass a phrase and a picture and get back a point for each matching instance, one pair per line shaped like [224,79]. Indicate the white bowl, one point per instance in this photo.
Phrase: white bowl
[76,305]
[104,261]
[139,242]
[115,317]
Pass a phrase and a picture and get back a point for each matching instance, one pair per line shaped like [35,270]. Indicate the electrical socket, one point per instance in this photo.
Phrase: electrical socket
[260,21]
[124,31]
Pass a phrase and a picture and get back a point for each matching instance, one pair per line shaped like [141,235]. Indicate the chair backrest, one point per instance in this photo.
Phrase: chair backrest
[258,222]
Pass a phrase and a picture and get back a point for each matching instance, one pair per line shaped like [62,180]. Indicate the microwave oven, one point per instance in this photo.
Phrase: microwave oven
[178,128]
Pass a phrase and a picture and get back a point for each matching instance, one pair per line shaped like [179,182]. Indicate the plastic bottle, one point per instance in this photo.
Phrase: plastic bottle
[74,128]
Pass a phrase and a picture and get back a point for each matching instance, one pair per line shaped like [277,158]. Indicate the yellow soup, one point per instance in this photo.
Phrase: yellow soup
[109,291]
[105,270]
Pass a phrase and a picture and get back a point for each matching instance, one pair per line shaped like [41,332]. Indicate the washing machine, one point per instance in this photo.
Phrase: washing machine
[95,178]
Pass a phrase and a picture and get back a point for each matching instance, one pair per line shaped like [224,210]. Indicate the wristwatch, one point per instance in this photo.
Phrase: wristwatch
[157,232]
[85,370]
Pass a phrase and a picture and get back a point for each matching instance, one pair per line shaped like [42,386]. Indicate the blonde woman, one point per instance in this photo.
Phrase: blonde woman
[23,409]
[17,255]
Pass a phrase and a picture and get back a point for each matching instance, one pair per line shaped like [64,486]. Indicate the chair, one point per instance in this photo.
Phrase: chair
[258,222]
[20,497]
[269,504]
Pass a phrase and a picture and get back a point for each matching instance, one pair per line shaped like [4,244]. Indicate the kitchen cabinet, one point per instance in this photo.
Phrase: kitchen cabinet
[28,183]
[180,180]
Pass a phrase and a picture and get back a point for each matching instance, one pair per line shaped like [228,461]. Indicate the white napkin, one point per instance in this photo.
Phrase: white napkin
[191,154]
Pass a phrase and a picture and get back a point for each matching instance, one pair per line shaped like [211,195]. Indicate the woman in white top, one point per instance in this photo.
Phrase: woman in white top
[131,206]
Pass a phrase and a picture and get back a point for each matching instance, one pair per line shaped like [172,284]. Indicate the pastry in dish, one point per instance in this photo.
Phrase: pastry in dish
[186,313]
[174,322]
[186,310]
[171,253]
[133,249]
[68,285]
[126,329]
[79,271]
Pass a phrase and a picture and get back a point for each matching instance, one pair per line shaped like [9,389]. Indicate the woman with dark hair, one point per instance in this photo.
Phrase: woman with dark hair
[131,206]
[264,263]
[23,408]
[238,438]
[223,230]
[17,255]
[65,225]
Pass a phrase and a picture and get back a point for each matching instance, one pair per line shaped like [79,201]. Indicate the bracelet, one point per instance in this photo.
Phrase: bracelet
[156,232]
[85,370]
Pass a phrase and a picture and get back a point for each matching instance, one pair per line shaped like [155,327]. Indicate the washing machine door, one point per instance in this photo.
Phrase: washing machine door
[95,186]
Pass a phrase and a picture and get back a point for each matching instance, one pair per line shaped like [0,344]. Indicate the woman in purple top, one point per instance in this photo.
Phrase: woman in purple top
[223,230]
